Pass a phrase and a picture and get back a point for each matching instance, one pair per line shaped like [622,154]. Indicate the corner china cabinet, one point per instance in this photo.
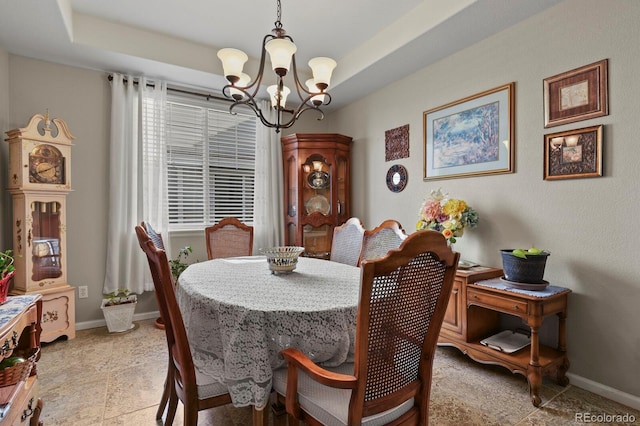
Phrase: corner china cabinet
[317,195]
[39,181]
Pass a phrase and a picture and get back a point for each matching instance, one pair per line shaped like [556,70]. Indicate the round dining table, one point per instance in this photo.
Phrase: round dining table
[238,316]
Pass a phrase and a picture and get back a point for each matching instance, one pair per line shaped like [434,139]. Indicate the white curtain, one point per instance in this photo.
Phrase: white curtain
[268,230]
[137,179]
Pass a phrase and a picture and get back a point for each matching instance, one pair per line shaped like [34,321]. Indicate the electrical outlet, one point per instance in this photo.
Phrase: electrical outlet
[83,292]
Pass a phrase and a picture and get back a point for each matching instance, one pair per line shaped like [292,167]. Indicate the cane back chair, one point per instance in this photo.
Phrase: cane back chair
[347,242]
[378,241]
[403,299]
[228,238]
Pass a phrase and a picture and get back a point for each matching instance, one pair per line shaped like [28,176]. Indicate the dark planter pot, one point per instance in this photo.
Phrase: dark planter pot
[519,270]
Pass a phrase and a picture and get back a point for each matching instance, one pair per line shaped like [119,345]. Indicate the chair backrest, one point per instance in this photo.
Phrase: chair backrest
[155,237]
[347,242]
[403,299]
[229,238]
[179,351]
[378,241]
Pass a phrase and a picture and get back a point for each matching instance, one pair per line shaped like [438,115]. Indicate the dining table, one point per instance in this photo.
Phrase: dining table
[239,316]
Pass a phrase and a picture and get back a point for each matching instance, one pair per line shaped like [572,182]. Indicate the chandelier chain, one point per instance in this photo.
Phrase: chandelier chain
[278,24]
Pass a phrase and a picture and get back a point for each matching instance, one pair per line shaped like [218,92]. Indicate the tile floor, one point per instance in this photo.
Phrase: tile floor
[102,379]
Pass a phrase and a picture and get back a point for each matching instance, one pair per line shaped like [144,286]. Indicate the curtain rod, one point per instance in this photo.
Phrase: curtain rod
[208,96]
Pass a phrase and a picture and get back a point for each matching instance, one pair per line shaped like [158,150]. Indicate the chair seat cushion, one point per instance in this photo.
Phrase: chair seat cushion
[330,405]
[208,378]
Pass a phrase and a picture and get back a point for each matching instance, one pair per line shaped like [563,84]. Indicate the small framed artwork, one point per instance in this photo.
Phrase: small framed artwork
[396,143]
[576,95]
[472,136]
[397,177]
[573,154]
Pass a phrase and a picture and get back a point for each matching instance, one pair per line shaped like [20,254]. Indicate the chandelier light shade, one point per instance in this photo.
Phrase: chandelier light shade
[282,53]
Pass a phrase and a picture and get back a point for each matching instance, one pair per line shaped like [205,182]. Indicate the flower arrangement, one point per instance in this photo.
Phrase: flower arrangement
[448,215]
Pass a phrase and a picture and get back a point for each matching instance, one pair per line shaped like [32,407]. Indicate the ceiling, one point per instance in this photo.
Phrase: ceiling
[374,41]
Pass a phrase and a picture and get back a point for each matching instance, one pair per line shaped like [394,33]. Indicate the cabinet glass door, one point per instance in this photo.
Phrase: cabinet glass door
[46,240]
[317,241]
[341,185]
[316,178]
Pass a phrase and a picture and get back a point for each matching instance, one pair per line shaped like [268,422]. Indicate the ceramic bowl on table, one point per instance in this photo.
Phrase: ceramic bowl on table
[283,259]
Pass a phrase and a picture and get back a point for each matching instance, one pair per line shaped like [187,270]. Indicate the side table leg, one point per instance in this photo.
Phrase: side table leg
[534,371]
[561,377]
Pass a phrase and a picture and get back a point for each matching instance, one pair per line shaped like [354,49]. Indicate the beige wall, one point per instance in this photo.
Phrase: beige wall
[589,225]
[82,98]
[5,211]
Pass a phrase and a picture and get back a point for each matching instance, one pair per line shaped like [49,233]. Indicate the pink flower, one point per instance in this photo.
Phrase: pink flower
[431,210]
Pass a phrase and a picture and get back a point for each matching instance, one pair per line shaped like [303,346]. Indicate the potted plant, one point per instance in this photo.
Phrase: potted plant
[178,265]
[118,308]
[7,271]
[524,265]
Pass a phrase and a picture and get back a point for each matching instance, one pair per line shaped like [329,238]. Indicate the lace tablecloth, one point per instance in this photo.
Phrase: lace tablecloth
[238,317]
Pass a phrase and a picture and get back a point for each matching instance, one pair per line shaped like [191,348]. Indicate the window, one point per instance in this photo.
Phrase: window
[210,162]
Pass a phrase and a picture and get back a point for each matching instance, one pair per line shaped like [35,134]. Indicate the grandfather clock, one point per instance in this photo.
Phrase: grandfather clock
[39,181]
[317,189]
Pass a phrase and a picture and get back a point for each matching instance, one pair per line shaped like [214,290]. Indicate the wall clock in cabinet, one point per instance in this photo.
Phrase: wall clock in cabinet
[39,181]
[317,192]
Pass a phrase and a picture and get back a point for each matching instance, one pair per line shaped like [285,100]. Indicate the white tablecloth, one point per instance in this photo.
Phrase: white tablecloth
[238,317]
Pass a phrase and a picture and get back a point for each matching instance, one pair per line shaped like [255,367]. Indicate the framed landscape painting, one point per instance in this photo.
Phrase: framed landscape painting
[472,136]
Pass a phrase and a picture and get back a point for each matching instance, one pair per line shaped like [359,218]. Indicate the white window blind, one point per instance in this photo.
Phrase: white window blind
[210,162]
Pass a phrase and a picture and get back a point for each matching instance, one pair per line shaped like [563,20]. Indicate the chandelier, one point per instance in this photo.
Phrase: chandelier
[281,50]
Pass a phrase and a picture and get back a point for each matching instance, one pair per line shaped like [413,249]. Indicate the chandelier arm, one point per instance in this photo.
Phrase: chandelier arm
[298,112]
[298,84]
[256,83]
[256,110]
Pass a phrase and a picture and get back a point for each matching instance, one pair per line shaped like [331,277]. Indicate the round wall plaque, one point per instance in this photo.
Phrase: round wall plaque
[397,178]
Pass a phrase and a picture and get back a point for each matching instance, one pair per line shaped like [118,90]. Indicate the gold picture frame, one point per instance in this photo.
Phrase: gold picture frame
[573,154]
[473,136]
[576,95]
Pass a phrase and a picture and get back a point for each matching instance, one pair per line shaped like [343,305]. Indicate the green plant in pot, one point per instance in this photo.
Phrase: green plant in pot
[118,308]
[524,265]
[179,264]
[7,271]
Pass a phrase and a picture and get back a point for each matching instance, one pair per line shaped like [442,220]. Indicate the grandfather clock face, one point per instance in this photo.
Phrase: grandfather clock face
[46,165]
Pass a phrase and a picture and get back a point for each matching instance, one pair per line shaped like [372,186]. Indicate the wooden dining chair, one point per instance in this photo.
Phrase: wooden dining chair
[155,237]
[403,299]
[347,242]
[378,241]
[229,238]
[158,243]
[196,391]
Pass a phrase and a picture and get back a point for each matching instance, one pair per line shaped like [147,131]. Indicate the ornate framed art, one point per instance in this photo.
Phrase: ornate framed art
[396,143]
[397,177]
[573,154]
[471,137]
[576,95]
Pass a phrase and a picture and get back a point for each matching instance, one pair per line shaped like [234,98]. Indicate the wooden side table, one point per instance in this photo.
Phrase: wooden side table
[484,300]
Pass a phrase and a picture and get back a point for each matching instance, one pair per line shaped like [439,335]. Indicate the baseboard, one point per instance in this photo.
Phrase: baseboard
[102,323]
[616,395]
